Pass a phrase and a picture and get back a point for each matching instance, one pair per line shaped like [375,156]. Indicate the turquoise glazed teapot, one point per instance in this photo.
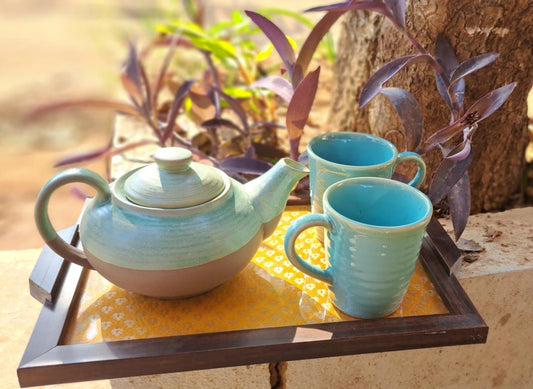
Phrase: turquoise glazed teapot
[174,228]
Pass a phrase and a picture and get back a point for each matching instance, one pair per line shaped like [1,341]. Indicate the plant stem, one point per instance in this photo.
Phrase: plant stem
[147,104]
[212,68]
[181,140]
[454,112]
[427,149]
[216,80]
[248,80]
[163,70]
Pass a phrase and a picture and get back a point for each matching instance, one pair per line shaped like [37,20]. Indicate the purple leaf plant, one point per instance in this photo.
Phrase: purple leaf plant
[300,90]
[297,87]
[451,177]
[144,104]
[143,97]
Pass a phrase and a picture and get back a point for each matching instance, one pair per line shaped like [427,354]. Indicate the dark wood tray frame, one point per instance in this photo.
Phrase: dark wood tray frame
[48,361]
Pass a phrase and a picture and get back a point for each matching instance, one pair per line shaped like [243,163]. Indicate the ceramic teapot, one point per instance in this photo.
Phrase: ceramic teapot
[173,228]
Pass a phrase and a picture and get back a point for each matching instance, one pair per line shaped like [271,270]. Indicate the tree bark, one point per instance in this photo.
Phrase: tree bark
[367,41]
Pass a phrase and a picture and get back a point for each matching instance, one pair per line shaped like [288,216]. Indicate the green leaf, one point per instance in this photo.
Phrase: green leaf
[187,104]
[292,43]
[218,28]
[238,92]
[164,29]
[237,17]
[188,29]
[236,24]
[264,54]
[220,48]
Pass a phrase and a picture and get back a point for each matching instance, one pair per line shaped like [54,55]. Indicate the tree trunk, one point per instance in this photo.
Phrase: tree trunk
[367,41]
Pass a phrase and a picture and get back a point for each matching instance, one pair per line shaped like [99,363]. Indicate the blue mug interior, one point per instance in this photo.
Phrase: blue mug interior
[379,202]
[353,150]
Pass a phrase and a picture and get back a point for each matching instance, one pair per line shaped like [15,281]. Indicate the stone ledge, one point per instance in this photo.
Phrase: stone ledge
[505,240]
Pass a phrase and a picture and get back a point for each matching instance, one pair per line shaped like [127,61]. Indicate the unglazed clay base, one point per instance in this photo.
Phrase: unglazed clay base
[179,283]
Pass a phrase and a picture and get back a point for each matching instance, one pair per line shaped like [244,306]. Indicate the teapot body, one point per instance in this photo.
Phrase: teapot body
[171,253]
[171,229]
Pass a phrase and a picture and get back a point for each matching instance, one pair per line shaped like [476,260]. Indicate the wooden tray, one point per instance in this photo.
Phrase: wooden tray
[48,360]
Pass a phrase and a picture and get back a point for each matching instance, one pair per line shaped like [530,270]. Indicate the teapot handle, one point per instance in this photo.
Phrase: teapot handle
[47,231]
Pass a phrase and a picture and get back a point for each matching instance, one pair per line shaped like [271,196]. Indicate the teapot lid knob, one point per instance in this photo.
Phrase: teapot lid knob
[174,181]
[173,159]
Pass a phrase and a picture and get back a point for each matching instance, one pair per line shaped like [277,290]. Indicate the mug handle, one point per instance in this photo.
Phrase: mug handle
[294,230]
[42,220]
[416,158]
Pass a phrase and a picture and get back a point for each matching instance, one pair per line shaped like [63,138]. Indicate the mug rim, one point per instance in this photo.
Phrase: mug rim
[424,220]
[351,135]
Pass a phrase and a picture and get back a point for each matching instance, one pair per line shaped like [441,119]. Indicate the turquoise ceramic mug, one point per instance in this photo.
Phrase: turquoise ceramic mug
[375,227]
[335,156]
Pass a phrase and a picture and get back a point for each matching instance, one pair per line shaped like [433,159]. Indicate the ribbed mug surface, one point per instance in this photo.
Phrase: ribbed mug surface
[375,228]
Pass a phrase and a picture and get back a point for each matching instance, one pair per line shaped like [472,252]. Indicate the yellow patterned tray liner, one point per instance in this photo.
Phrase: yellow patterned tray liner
[269,292]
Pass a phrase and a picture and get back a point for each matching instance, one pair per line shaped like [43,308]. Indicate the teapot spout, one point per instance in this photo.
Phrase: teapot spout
[269,192]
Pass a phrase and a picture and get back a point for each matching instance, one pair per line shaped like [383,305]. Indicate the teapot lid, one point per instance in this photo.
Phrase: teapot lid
[174,181]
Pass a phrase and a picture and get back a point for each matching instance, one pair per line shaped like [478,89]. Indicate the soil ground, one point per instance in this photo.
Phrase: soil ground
[55,50]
